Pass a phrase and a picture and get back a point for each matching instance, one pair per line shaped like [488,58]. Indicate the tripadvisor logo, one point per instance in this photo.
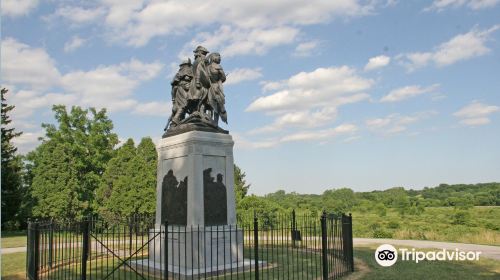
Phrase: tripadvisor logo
[387,255]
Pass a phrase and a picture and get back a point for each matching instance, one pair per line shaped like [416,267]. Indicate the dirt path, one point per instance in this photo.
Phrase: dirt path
[491,252]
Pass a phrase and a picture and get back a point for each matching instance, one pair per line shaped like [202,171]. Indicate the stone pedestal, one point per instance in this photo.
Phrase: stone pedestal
[195,194]
[203,250]
[195,180]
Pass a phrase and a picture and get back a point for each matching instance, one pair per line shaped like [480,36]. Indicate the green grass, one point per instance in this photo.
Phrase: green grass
[283,262]
[440,270]
[480,226]
[13,239]
[14,266]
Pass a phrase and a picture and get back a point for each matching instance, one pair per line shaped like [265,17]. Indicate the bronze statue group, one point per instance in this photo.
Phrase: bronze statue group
[197,89]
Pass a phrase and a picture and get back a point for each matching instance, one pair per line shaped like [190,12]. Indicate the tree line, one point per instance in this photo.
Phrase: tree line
[406,202]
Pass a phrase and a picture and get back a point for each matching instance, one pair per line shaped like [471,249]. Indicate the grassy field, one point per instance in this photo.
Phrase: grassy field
[478,225]
[13,268]
[284,264]
[440,270]
[12,239]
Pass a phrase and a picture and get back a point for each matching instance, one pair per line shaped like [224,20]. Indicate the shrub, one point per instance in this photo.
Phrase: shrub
[380,233]
[460,217]
[393,225]
[491,226]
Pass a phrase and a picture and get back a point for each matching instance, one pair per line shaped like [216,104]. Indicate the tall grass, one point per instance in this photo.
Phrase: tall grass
[478,225]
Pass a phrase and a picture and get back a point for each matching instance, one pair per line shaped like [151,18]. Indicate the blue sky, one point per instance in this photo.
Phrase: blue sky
[320,94]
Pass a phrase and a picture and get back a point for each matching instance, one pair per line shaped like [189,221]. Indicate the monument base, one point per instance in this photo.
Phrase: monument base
[195,250]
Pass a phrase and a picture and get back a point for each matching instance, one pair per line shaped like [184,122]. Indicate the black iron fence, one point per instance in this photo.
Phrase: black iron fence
[269,246]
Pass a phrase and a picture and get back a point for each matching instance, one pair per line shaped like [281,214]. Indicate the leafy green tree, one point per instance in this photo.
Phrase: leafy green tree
[240,185]
[129,182]
[12,191]
[339,201]
[68,165]
[267,211]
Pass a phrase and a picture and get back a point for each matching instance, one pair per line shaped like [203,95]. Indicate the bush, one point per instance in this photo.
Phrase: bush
[393,225]
[460,217]
[380,233]
[491,226]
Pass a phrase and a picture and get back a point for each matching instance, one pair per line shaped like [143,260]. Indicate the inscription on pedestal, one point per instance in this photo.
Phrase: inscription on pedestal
[215,199]
[174,199]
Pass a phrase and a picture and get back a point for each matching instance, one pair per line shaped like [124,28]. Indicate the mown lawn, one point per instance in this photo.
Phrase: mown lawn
[13,239]
[14,266]
[486,269]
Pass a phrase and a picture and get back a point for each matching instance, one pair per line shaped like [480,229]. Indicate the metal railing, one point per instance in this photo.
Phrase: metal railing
[271,246]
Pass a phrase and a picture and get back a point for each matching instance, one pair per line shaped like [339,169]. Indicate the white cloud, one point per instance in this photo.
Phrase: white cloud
[407,92]
[110,86]
[137,22]
[241,142]
[305,48]
[475,121]
[320,134]
[272,85]
[79,15]
[33,71]
[319,88]
[377,62]
[308,100]
[242,74]
[75,43]
[300,136]
[396,123]
[27,141]
[15,8]
[154,108]
[231,41]
[27,101]
[24,65]
[461,47]
[439,5]
[476,113]
[300,119]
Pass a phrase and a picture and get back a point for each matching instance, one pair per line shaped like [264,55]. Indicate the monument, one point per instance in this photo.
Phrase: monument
[195,192]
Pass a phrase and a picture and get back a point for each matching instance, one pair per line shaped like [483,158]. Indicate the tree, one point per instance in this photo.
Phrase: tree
[240,185]
[129,182]
[12,191]
[68,165]
[267,211]
[339,201]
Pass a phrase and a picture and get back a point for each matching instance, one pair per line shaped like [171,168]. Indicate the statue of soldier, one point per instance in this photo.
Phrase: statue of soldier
[181,85]
[216,98]
[201,84]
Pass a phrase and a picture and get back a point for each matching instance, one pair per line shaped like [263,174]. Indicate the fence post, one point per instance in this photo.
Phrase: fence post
[256,245]
[35,250]
[351,241]
[345,239]
[51,242]
[294,229]
[165,250]
[85,249]
[130,225]
[324,248]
